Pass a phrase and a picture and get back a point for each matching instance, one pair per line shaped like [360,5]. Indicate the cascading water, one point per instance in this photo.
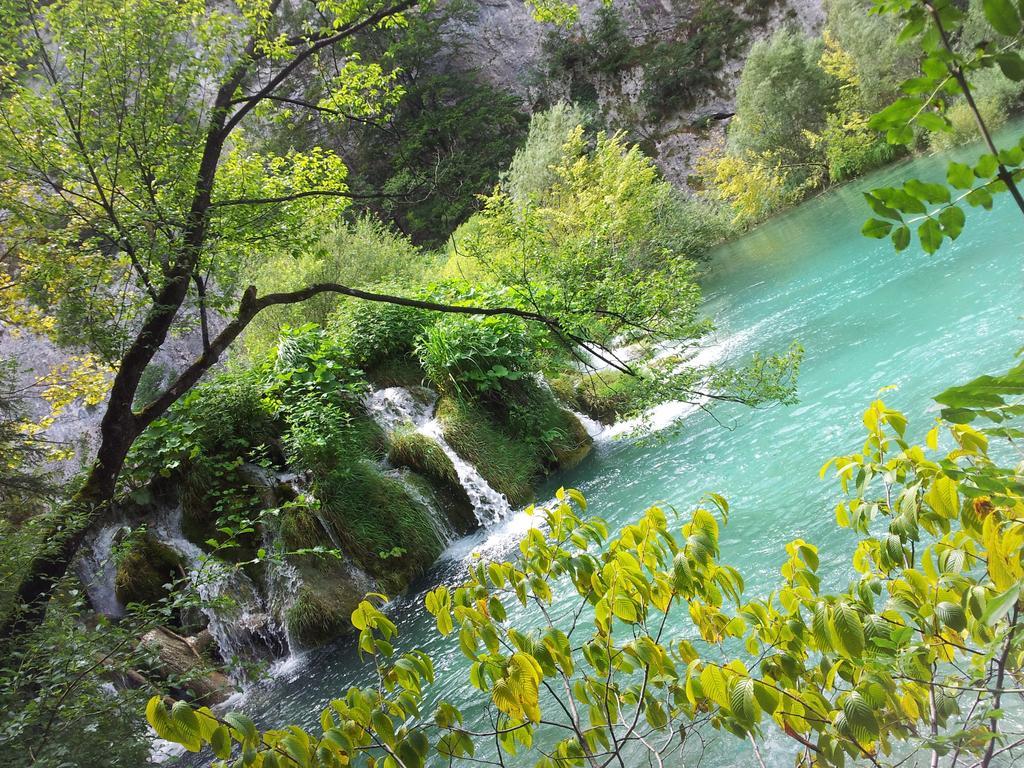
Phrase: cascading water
[97,570]
[240,620]
[394,407]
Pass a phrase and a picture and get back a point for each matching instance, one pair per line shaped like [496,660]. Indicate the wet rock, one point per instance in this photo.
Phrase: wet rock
[189,674]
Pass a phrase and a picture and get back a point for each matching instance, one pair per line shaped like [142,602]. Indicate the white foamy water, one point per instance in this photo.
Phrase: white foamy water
[395,407]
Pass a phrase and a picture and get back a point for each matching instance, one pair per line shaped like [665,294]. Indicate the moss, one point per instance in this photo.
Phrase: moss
[605,396]
[300,529]
[322,610]
[509,465]
[378,522]
[428,460]
[143,570]
[533,415]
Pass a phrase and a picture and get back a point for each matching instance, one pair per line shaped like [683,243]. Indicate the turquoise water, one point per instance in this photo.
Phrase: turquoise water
[867,317]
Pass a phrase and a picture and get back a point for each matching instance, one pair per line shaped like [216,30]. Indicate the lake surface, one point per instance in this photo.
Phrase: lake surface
[868,318]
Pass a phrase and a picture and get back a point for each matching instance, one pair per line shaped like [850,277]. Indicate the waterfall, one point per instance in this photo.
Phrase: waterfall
[393,407]
[97,570]
[240,620]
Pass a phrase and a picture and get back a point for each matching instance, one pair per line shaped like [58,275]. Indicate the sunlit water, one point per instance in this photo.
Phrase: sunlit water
[868,319]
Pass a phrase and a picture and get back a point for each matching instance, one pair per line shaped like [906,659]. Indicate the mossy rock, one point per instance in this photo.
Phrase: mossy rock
[144,569]
[323,609]
[422,454]
[605,395]
[533,415]
[378,522]
[509,465]
[301,529]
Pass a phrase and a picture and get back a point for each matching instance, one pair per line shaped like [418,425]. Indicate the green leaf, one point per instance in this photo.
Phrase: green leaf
[980,196]
[933,193]
[986,167]
[741,701]
[876,228]
[930,234]
[952,615]
[1012,66]
[960,176]
[997,607]
[859,717]
[952,220]
[1002,15]
[901,238]
[849,629]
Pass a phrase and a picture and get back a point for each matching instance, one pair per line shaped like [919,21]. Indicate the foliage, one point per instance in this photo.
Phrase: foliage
[679,72]
[477,356]
[783,93]
[58,709]
[363,253]
[679,68]
[533,170]
[753,186]
[850,146]
[920,648]
[934,209]
[372,514]
[422,454]
[639,262]
[372,334]
[879,59]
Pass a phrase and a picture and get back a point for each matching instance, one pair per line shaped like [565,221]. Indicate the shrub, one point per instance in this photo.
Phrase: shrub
[679,72]
[363,253]
[879,61]
[533,170]
[476,355]
[375,335]
[783,94]
[532,415]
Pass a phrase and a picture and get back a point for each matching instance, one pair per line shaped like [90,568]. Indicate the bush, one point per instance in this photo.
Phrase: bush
[376,335]
[361,254]
[783,94]
[606,247]
[996,97]
[474,355]
[533,170]
[531,414]
[870,39]
[679,72]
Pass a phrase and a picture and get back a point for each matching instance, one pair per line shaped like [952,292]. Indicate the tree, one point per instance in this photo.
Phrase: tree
[135,198]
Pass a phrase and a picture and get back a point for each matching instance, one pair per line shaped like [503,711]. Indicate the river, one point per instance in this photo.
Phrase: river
[868,318]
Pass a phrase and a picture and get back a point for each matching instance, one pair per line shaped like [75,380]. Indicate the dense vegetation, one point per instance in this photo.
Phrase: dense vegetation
[322,192]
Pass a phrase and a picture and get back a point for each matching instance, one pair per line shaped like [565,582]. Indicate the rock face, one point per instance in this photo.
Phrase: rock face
[507,48]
